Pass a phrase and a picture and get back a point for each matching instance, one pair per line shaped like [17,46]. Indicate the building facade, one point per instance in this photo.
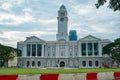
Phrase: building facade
[83,53]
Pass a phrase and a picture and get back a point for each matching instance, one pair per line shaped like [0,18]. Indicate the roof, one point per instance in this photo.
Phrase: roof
[90,38]
[34,39]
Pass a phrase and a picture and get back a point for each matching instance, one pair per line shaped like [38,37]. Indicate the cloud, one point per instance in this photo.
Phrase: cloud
[27,10]
[12,19]
[15,36]
[84,10]
[6,6]
[23,18]
[9,4]
[47,21]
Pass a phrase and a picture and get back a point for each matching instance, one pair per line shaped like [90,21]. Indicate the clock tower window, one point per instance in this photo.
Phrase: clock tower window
[62,14]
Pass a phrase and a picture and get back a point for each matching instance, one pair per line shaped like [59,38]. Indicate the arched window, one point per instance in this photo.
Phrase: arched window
[96,63]
[28,63]
[90,63]
[39,63]
[84,63]
[33,63]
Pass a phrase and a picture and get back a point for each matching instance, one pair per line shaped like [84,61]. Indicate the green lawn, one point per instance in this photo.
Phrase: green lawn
[44,71]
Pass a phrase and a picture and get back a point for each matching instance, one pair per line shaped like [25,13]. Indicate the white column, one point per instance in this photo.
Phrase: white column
[36,50]
[87,63]
[30,63]
[73,52]
[100,48]
[57,50]
[79,50]
[66,51]
[92,49]
[24,53]
[86,49]
[30,50]
[42,50]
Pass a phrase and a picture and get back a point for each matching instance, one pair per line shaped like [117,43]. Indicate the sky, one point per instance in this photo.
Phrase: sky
[23,18]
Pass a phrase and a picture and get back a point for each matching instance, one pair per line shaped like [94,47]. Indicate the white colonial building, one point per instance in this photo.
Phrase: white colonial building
[82,53]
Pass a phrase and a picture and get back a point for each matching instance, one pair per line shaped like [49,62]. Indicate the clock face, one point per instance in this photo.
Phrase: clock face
[62,19]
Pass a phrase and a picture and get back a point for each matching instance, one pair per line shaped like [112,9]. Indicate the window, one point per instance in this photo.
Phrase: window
[53,54]
[48,48]
[28,49]
[70,47]
[39,63]
[96,63]
[62,46]
[62,34]
[33,63]
[83,45]
[39,49]
[84,63]
[96,49]
[75,53]
[70,53]
[62,53]
[90,63]
[89,49]
[76,47]
[33,49]
[53,49]
[62,13]
[48,54]
[28,63]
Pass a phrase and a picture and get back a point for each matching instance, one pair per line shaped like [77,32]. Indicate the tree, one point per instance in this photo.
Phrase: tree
[5,54]
[113,4]
[113,49]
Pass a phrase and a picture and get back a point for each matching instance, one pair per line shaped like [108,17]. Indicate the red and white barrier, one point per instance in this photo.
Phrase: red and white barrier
[28,77]
[8,77]
[76,76]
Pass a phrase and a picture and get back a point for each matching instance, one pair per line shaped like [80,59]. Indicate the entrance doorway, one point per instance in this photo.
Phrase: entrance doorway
[62,64]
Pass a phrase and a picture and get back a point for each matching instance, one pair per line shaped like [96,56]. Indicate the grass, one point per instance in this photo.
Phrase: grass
[4,71]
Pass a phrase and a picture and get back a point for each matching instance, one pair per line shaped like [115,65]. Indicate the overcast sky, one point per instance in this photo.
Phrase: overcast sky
[23,18]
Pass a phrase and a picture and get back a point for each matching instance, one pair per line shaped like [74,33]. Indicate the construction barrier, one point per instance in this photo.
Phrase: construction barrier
[76,76]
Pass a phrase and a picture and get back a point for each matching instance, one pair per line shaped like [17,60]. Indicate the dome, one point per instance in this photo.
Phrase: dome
[62,7]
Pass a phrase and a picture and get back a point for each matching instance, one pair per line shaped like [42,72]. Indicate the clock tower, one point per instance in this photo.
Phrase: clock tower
[62,33]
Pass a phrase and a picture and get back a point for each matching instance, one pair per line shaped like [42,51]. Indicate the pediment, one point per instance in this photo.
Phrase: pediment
[90,38]
[33,39]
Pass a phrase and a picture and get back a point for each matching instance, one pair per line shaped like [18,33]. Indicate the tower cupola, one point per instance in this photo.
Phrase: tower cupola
[62,7]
